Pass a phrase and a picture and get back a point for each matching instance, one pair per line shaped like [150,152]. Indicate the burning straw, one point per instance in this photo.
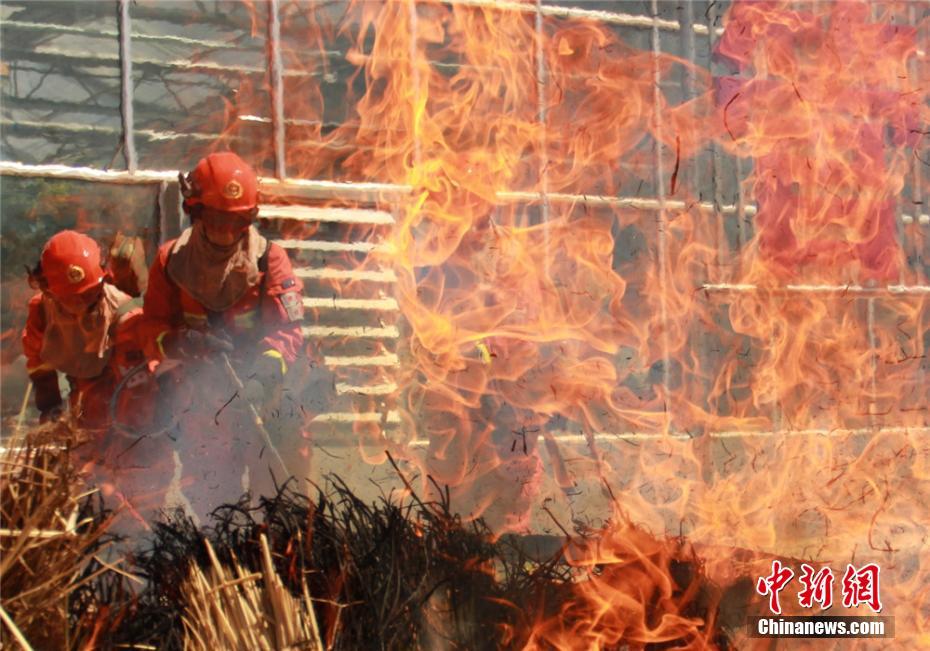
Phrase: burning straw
[337,573]
[51,532]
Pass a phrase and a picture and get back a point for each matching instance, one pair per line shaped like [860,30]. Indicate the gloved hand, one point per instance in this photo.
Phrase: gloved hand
[182,343]
[48,396]
[127,264]
[188,342]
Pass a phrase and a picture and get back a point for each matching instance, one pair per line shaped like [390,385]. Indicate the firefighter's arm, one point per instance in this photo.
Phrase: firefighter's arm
[161,307]
[282,310]
[127,264]
[44,378]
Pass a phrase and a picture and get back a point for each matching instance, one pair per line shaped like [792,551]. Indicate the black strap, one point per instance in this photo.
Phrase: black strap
[263,268]
[263,259]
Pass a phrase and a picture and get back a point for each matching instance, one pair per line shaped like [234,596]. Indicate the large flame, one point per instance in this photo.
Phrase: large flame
[740,374]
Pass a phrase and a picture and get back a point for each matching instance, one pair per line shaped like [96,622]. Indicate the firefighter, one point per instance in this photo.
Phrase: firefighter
[222,281]
[83,326]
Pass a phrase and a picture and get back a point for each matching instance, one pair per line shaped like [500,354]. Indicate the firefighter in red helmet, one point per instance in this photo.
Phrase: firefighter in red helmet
[80,325]
[222,280]
[221,274]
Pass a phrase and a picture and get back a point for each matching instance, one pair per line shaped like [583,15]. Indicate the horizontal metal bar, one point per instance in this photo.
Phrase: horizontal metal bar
[267,185]
[325,245]
[834,432]
[353,332]
[387,359]
[297,122]
[385,304]
[571,438]
[607,17]
[87,173]
[354,190]
[366,191]
[392,417]
[317,214]
[575,438]
[203,44]
[57,55]
[621,202]
[917,290]
[136,36]
[648,203]
[328,273]
[94,129]
[385,389]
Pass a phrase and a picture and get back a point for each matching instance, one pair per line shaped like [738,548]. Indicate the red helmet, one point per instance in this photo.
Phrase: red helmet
[71,263]
[222,181]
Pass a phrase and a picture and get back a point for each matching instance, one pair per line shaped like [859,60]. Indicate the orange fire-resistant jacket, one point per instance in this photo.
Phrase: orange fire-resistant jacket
[268,316]
[90,397]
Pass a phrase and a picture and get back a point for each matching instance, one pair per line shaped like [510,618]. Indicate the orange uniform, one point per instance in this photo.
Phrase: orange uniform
[90,396]
[222,281]
[84,327]
[267,315]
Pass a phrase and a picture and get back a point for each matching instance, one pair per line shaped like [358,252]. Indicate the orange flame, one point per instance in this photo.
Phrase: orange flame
[750,375]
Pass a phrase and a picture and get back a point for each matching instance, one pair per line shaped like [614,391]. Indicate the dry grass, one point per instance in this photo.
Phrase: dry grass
[233,609]
[48,537]
[388,575]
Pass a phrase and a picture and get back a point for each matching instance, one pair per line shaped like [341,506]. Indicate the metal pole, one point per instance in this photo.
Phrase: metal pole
[716,162]
[276,66]
[662,221]
[413,26]
[162,209]
[873,359]
[917,199]
[126,103]
[541,85]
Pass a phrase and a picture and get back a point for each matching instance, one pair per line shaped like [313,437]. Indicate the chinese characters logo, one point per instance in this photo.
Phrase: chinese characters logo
[860,586]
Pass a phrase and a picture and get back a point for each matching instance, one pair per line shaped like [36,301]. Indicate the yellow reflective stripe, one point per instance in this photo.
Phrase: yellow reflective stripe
[195,317]
[159,339]
[271,352]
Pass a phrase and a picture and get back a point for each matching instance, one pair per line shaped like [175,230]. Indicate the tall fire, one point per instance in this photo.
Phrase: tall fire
[647,280]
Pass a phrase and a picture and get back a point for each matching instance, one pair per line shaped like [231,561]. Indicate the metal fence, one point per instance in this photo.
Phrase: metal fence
[126,92]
